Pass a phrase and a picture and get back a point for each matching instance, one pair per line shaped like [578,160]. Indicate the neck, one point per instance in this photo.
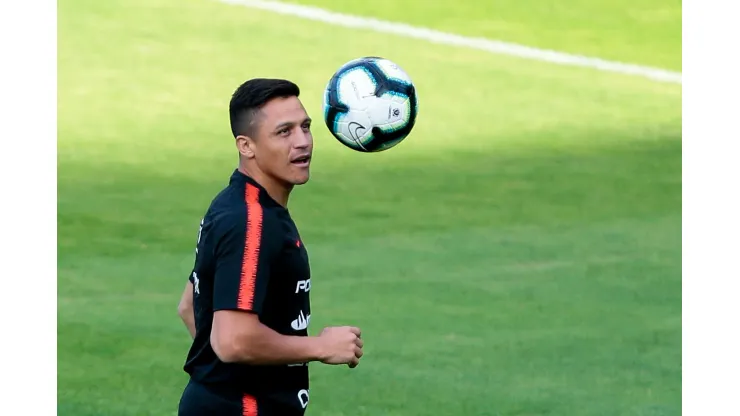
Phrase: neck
[277,190]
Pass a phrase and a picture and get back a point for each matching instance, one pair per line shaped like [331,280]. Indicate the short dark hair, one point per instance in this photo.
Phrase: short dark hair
[249,98]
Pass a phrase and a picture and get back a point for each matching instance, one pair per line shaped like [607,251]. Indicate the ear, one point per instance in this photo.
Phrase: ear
[245,146]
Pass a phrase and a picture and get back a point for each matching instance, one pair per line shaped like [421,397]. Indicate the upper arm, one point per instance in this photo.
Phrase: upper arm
[243,260]
[229,329]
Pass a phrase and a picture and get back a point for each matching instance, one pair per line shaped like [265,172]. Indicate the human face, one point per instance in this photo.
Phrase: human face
[283,144]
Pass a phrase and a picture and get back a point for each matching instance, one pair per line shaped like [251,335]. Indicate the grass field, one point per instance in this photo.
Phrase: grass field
[519,254]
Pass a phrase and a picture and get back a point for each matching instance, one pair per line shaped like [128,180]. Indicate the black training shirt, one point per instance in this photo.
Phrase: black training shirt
[250,257]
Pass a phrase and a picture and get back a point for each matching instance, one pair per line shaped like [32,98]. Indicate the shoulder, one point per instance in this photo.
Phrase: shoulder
[240,209]
[234,206]
[245,222]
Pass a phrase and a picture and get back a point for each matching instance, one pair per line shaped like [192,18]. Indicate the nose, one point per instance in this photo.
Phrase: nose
[303,139]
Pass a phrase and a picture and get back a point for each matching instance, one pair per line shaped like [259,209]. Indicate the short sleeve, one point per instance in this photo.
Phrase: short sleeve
[243,257]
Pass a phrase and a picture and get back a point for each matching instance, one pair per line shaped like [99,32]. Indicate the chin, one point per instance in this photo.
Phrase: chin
[298,179]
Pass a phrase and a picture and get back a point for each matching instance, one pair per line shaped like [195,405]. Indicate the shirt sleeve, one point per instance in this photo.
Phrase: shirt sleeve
[243,257]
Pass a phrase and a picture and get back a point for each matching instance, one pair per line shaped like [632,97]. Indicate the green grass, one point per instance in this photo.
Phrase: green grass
[519,254]
[639,31]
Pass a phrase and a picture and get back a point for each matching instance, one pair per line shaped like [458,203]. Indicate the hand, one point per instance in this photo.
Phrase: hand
[341,345]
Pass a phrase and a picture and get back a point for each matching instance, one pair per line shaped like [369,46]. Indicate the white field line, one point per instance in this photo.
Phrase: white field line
[434,36]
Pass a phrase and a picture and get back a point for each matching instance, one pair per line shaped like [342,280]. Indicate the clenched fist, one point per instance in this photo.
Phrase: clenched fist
[341,345]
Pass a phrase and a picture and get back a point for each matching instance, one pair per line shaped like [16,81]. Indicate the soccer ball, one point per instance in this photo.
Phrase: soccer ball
[370,104]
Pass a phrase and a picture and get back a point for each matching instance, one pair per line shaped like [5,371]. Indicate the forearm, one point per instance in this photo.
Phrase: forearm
[264,346]
[185,308]
[188,318]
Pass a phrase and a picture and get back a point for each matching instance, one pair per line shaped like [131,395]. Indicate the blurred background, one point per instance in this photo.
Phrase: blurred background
[518,254]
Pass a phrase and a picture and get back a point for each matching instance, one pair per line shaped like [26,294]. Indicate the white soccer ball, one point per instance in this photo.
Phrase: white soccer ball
[370,104]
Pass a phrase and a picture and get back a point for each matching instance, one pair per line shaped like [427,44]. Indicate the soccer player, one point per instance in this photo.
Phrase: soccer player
[246,302]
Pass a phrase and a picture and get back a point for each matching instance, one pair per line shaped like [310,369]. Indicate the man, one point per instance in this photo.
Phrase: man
[246,303]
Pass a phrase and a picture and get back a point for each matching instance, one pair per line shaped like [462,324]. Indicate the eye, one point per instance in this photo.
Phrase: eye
[306,126]
[283,132]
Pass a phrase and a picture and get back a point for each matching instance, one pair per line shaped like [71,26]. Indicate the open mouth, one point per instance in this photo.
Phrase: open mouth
[301,161]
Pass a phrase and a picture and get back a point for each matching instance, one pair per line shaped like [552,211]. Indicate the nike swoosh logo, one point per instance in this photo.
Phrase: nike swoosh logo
[301,322]
[354,130]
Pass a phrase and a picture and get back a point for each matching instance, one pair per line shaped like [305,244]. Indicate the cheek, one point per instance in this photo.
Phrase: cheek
[278,155]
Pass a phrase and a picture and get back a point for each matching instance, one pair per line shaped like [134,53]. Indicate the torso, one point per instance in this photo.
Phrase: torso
[286,308]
